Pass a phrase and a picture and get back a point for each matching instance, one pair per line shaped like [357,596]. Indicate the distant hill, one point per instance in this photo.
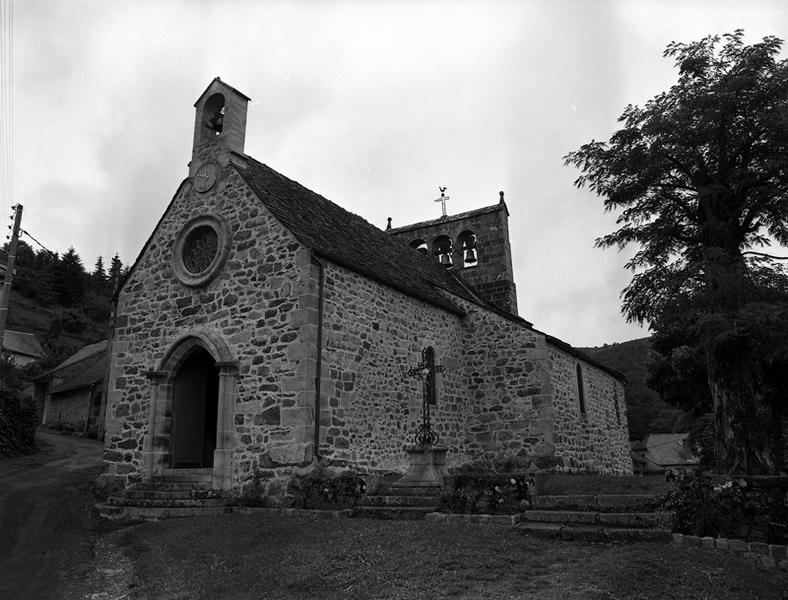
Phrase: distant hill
[647,412]
[54,298]
[30,316]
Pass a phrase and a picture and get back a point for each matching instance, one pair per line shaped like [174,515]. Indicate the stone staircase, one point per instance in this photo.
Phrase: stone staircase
[173,493]
[596,518]
[401,501]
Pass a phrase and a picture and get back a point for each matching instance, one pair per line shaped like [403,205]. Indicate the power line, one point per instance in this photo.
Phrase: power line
[27,233]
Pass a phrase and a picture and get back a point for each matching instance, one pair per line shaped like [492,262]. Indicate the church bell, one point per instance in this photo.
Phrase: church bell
[446,260]
[470,256]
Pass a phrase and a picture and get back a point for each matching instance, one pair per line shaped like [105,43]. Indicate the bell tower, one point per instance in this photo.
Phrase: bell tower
[219,125]
[474,244]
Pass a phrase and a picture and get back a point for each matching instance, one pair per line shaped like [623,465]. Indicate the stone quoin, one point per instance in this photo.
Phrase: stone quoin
[262,327]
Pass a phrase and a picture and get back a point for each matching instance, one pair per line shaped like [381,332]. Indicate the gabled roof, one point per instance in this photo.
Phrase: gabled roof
[82,369]
[26,344]
[82,354]
[348,240]
[214,80]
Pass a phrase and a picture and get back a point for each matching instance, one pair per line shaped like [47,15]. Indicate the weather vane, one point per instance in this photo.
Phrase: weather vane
[442,200]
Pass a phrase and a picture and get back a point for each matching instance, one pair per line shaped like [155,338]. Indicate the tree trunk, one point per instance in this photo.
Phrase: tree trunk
[743,430]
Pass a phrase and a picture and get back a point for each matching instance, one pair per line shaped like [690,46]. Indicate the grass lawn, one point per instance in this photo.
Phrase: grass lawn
[261,556]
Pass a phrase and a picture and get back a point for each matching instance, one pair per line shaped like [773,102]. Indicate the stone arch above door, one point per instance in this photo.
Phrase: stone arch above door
[157,441]
[184,345]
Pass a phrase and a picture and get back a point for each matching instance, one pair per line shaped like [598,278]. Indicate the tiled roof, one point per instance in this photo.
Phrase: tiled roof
[81,355]
[667,449]
[82,369]
[93,373]
[348,240]
[26,344]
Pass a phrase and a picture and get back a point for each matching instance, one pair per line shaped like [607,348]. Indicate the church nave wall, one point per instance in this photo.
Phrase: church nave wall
[595,439]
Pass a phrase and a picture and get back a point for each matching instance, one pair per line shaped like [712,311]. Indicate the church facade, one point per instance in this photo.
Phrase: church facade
[264,328]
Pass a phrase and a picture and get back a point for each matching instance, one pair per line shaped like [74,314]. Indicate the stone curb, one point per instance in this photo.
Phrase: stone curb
[291,512]
[768,556]
[439,517]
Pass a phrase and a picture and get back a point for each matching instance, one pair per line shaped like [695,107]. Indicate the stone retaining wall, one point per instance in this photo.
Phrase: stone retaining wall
[769,556]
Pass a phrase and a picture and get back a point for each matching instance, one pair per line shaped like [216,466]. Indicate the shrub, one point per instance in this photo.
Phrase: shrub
[323,489]
[718,506]
[18,422]
[486,493]
[252,494]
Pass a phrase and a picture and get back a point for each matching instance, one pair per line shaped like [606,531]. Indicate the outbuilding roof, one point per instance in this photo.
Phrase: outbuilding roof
[82,369]
[26,344]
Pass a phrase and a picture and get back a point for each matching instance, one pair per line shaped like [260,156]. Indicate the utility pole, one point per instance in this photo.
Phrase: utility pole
[5,291]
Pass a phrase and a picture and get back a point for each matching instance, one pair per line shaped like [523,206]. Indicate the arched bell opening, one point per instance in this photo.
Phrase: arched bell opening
[420,245]
[212,117]
[467,249]
[442,249]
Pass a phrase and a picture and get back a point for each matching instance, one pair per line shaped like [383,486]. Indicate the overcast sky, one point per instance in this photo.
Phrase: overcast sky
[371,104]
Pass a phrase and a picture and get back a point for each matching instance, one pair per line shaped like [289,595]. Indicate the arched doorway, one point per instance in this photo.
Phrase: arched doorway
[195,406]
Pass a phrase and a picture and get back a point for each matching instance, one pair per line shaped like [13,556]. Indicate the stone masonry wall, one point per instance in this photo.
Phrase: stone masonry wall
[371,408]
[511,415]
[597,440]
[493,398]
[259,305]
[69,409]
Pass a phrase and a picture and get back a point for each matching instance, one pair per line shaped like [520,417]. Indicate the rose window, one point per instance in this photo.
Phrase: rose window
[200,248]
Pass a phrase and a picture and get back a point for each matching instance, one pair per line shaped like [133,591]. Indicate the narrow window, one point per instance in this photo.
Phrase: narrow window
[580,394]
[615,401]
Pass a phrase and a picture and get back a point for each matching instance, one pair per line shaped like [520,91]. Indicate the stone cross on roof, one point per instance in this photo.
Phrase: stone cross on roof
[442,200]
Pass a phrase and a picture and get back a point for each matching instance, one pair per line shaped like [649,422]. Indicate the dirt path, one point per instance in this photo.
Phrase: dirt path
[47,525]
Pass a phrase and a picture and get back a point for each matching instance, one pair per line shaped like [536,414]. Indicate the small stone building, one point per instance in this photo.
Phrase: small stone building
[263,327]
[71,393]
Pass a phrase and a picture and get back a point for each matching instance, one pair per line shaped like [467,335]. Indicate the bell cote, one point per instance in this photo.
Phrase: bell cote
[219,125]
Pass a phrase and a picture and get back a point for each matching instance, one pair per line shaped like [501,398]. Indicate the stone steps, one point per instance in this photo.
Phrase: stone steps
[173,489]
[165,502]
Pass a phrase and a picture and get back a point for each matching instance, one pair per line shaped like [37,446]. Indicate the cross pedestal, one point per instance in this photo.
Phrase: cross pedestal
[427,468]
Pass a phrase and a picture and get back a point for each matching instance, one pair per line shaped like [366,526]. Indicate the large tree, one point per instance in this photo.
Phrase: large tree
[699,180]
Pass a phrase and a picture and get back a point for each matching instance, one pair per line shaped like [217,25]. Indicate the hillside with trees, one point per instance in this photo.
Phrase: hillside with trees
[62,303]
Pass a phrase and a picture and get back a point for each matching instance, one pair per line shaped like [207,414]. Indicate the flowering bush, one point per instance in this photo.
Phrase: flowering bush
[486,493]
[718,506]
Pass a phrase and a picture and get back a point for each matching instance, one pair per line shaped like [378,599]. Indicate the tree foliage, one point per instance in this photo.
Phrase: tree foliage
[699,180]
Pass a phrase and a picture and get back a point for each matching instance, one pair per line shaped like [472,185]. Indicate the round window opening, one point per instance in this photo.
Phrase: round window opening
[200,249]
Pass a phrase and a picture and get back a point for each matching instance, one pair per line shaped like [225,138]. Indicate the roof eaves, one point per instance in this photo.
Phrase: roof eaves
[583,356]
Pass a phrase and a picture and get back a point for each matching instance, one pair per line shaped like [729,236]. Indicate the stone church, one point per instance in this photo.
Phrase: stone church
[264,327]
